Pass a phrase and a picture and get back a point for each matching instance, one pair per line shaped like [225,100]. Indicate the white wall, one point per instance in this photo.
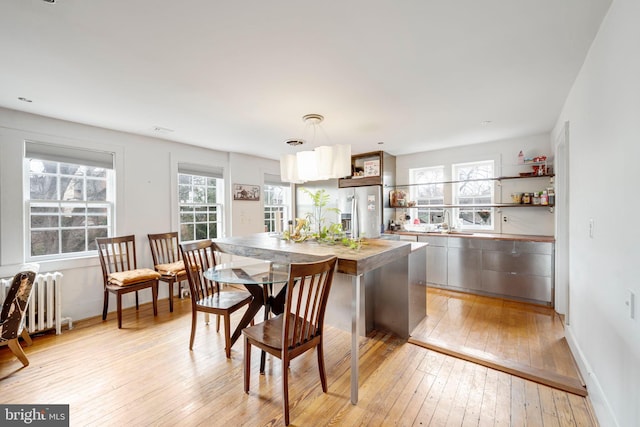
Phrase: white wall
[603,111]
[534,221]
[146,194]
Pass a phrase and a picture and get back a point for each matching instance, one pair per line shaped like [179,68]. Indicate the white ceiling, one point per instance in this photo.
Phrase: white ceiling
[239,75]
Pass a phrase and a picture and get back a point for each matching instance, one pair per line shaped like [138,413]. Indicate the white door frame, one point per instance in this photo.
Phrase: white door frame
[562,280]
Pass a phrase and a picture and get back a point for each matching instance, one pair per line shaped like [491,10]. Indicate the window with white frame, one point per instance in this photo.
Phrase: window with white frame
[277,203]
[200,200]
[427,189]
[70,197]
[474,187]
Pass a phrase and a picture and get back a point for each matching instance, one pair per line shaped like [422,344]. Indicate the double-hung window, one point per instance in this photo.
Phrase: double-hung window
[200,198]
[277,203]
[474,187]
[428,189]
[70,197]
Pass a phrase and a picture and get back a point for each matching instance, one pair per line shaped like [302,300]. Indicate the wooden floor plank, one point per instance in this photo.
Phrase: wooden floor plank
[144,374]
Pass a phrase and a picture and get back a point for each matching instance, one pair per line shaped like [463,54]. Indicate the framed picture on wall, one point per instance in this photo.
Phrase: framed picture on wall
[246,192]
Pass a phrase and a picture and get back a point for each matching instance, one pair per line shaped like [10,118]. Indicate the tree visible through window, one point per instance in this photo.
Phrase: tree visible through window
[474,188]
[427,189]
[200,210]
[69,206]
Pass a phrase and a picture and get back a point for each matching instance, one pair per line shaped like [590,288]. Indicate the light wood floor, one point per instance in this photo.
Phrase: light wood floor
[145,375]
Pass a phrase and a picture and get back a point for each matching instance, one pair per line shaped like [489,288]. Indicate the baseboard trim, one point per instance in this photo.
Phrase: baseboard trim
[597,398]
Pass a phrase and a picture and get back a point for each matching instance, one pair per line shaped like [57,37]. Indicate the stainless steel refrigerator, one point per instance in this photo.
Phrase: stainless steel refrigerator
[370,214]
[363,212]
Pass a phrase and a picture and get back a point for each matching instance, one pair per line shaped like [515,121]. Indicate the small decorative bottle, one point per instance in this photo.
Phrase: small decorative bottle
[520,158]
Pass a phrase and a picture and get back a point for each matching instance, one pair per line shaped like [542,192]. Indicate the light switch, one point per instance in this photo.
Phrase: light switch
[631,303]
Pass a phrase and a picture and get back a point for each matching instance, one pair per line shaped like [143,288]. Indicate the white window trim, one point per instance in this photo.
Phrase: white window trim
[93,153]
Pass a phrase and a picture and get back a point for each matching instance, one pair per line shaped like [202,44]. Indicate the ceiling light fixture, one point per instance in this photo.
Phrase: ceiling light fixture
[323,162]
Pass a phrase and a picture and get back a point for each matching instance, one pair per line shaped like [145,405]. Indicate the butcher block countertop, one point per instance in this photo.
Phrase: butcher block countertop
[488,236]
[373,253]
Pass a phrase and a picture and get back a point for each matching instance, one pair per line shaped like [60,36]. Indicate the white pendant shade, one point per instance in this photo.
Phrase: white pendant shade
[289,169]
[341,161]
[324,162]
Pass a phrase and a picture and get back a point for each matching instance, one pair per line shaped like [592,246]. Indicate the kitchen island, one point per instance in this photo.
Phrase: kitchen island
[382,285]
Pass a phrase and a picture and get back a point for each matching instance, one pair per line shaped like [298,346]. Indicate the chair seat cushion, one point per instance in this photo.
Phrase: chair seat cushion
[171,269]
[131,277]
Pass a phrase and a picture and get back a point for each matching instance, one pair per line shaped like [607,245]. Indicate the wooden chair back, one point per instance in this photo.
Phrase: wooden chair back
[116,254]
[14,308]
[198,257]
[307,296]
[165,248]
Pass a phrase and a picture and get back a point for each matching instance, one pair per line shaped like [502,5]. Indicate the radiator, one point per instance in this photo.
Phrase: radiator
[44,311]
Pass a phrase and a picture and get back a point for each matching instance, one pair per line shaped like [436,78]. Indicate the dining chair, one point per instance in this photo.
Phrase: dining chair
[14,310]
[121,274]
[206,295]
[299,328]
[167,260]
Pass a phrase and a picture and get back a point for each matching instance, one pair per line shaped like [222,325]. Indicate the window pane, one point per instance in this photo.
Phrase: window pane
[44,221]
[187,232]
[44,242]
[92,234]
[96,190]
[43,187]
[73,241]
[68,169]
[72,188]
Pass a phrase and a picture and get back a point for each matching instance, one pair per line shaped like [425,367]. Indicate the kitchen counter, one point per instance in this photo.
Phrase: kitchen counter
[380,286]
[479,235]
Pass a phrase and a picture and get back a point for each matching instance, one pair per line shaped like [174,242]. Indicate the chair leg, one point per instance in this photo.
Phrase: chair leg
[154,294]
[120,311]
[285,389]
[227,334]
[171,296]
[105,305]
[16,349]
[137,304]
[217,323]
[323,375]
[247,364]
[194,321]
[25,336]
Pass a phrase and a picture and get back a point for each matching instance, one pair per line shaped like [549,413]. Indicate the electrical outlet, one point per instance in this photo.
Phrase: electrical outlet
[631,303]
[504,218]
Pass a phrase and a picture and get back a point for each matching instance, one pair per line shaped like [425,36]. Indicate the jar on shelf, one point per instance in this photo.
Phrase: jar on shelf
[526,198]
[536,198]
[544,198]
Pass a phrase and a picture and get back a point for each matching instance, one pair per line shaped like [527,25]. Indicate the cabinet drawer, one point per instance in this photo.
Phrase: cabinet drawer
[463,270]
[518,263]
[434,240]
[518,247]
[464,243]
[536,288]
